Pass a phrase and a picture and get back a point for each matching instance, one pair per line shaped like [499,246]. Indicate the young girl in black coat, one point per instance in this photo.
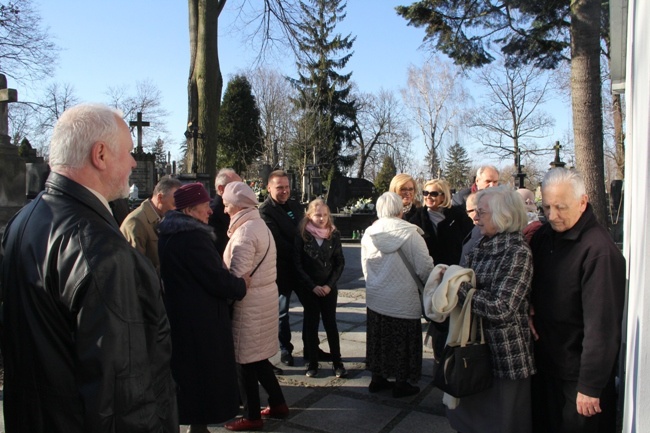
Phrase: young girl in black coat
[319,261]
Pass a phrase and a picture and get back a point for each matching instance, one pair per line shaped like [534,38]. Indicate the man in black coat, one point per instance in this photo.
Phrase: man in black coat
[219,220]
[578,296]
[85,336]
[282,216]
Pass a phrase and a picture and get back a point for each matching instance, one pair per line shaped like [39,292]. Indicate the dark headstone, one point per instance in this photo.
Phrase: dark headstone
[144,176]
[343,190]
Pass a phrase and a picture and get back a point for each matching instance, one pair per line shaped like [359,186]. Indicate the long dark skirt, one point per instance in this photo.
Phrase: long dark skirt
[394,347]
[505,407]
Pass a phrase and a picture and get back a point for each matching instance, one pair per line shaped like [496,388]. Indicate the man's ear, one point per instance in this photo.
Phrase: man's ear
[583,202]
[98,154]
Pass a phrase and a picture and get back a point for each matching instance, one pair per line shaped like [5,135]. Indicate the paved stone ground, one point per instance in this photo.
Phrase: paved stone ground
[325,404]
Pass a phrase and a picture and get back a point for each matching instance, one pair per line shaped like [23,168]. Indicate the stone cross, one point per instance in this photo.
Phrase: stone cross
[557,162]
[139,124]
[6,96]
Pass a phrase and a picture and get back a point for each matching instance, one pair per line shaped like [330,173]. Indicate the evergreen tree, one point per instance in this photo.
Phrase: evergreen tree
[239,132]
[457,167]
[385,175]
[328,110]
[158,149]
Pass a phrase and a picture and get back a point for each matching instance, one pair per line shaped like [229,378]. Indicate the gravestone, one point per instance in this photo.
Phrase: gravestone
[12,172]
[36,170]
[344,190]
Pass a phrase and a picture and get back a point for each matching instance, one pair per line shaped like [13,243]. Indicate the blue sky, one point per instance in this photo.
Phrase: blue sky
[118,43]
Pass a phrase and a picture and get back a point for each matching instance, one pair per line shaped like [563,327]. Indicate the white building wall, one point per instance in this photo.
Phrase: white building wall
[637,218]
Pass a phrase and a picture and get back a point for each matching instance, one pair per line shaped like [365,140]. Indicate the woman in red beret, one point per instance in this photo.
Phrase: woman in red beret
[198,289]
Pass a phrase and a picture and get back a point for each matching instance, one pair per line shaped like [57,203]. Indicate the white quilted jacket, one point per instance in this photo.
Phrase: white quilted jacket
[255,318]
[390,288]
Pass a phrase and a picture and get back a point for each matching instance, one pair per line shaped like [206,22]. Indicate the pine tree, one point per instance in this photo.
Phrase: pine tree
[385,175]
[323,93]
[239,133]
[458,166]
[158,149]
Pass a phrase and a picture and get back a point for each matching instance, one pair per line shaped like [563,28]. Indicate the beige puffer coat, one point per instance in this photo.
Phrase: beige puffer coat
[255,318]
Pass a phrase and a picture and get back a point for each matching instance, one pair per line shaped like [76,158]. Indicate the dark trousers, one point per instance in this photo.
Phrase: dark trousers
[554,407]
[249,375]
[315,308]
[284,332]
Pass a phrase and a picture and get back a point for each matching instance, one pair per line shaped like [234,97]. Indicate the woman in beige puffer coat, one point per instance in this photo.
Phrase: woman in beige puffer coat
[251,254]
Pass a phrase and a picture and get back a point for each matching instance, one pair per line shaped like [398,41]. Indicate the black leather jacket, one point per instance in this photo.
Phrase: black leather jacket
[85,337]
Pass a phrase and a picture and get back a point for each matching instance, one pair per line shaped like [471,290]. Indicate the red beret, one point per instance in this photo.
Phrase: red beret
[190,194]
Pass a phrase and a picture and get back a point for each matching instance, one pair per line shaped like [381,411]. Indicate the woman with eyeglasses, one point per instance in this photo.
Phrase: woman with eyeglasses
[503,265]
[405,186]
[444,226]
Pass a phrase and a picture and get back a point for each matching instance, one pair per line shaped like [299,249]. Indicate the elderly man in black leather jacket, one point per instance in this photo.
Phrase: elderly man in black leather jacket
[85,337]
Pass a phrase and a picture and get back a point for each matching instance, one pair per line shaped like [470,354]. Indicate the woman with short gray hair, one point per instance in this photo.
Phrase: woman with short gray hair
[503,265]
[394,308]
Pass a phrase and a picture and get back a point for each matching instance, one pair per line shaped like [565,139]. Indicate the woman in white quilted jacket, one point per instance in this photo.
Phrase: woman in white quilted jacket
[394,308]
[251,254]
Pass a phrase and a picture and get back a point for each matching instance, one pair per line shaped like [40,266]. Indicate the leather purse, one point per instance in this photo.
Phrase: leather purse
[466,364]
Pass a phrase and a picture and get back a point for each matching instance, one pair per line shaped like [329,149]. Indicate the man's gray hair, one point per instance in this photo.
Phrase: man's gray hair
[564,176]
[482,168]
[507,207]
[224,177]
[166,185]
[389,205]
[78,129]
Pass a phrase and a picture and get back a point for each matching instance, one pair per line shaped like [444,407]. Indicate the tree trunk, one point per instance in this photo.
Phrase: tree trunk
[619,137]
[205,81]
[587,102]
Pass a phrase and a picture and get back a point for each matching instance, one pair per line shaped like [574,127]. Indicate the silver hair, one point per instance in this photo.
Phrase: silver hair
[482,168]
[507,207]
[78,129]
[224,177]
[389,205]
[563,176]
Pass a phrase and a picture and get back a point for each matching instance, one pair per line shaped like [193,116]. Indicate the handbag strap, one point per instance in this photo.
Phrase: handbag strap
[415,276]
[466,330]
[268,246]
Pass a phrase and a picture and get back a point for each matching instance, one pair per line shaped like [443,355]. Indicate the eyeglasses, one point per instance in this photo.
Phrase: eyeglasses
[432,193]
[470,210]
[481,212]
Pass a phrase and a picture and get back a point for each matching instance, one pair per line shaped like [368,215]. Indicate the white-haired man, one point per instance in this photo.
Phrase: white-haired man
[578,295]
[486,176]
[85,336]
[219,220]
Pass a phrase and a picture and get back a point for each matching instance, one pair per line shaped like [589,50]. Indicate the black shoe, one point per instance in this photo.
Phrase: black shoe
[277,371]
[380,384]
[312,370]
[287,359]
[405,390]
[339,369]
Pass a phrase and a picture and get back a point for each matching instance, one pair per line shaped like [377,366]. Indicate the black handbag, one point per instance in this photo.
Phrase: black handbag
[466,364]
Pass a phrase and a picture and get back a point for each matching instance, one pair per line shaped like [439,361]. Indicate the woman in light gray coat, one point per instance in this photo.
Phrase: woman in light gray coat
[394,329]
